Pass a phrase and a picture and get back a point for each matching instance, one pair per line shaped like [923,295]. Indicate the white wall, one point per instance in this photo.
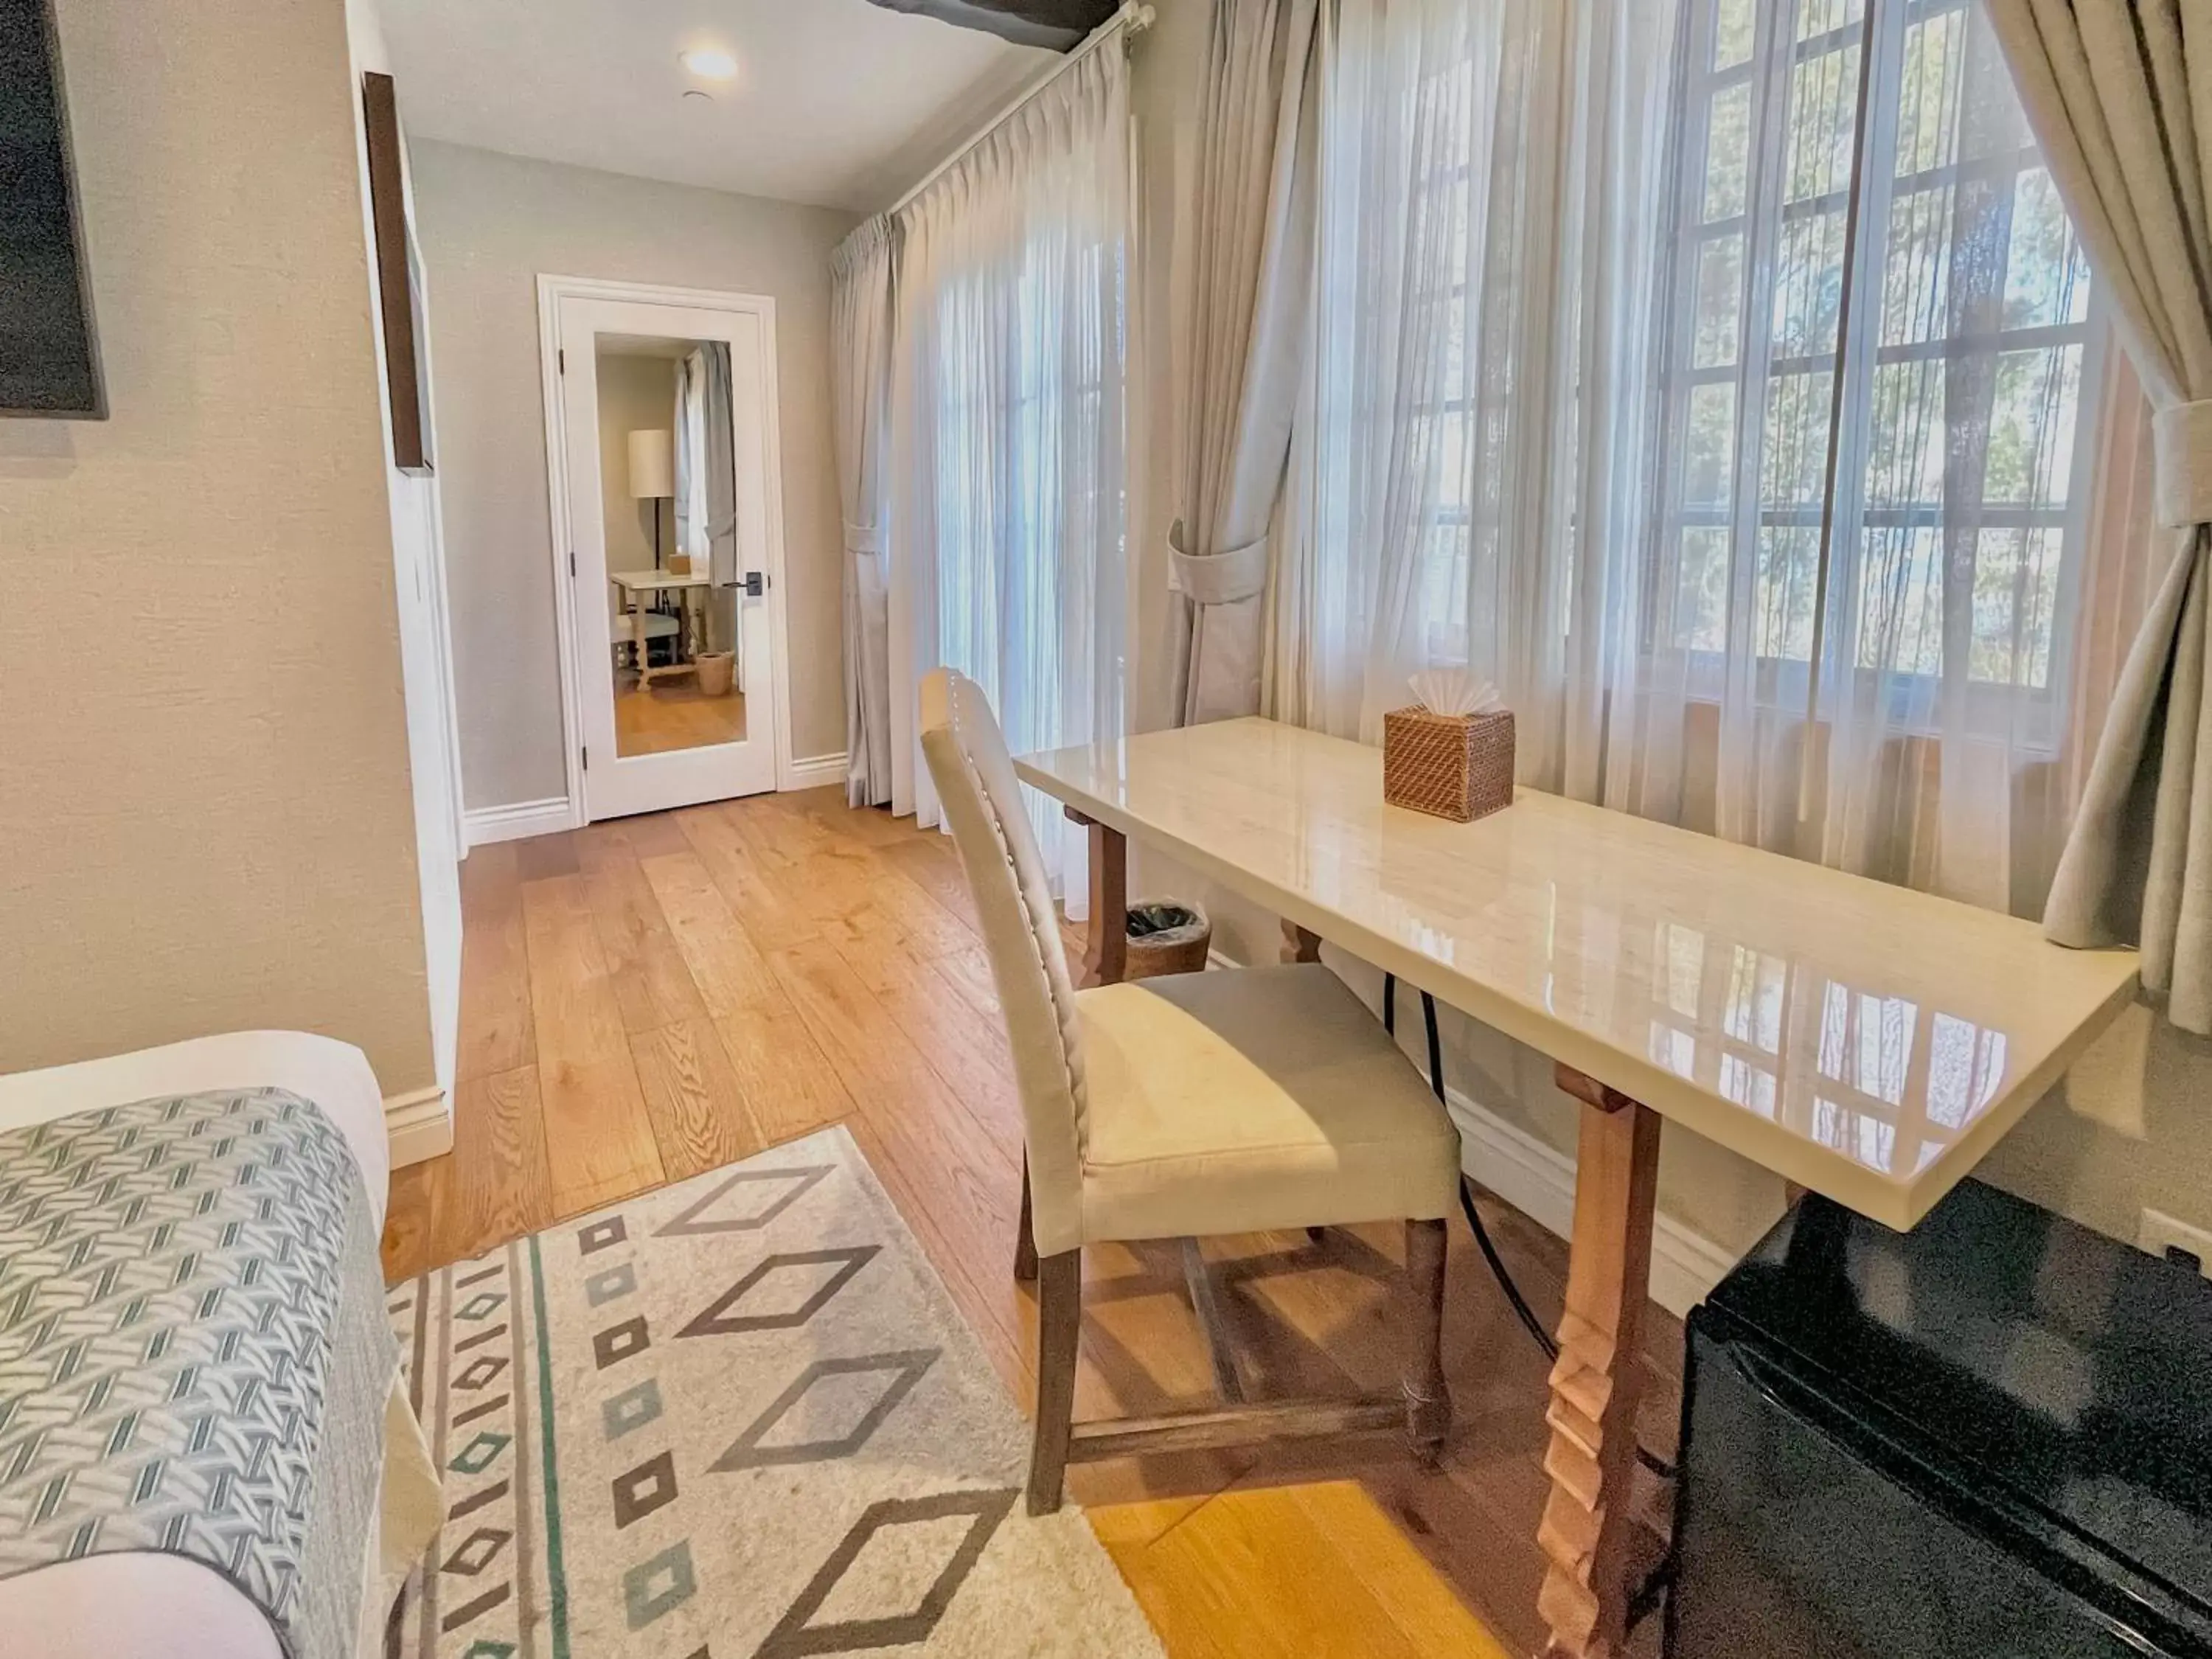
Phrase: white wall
[2118,1135]
[206,820]
[489,226]
[425,646]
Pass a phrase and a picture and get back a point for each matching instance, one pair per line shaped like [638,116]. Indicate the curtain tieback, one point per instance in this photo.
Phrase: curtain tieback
[863,539]
[1223,578]
[2181,436]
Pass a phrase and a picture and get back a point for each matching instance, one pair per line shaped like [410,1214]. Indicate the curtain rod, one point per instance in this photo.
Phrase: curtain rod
[1134,17]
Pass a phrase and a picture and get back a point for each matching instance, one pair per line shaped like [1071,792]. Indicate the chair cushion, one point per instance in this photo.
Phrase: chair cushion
[1250,1099]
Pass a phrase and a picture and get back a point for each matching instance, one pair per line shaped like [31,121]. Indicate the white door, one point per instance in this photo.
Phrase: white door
[675,669]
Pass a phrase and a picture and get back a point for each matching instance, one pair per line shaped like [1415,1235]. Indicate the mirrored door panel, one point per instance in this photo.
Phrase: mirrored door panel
[667,440]
[665,468]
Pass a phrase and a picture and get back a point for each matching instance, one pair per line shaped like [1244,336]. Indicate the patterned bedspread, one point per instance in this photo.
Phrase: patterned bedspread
[193,1351]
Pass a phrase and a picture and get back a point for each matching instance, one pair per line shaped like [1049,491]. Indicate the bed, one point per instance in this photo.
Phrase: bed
[144,1605]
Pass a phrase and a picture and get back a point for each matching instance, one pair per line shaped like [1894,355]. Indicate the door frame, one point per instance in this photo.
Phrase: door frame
[551,291]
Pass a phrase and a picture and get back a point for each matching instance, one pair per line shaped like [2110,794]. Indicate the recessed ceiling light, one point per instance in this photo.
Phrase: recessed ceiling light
[710,64]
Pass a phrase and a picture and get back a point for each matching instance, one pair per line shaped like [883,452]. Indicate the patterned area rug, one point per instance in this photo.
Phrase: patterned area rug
[735,1419]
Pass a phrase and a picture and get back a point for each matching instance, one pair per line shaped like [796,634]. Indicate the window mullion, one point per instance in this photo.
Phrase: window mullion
[1847,323]
[1766,187]
[1858,369]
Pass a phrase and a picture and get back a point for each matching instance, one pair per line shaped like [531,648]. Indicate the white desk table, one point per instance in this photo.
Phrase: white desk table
[1866,1042]
[635,586]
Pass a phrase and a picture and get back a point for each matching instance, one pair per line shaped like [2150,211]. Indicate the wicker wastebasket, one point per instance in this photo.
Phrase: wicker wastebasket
[717,673]
[1167,936]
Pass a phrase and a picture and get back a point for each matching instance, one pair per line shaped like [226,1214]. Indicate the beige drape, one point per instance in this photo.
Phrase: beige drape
[1252,219]
[860,348]
[2121,102]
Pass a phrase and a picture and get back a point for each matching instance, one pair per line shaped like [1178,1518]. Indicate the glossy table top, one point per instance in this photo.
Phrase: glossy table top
[1865,1040]
[635,581]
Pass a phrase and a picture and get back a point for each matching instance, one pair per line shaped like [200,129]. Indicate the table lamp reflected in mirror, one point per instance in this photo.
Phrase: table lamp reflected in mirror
[652,477]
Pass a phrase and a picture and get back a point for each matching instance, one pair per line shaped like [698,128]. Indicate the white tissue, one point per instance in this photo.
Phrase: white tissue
[1455,691]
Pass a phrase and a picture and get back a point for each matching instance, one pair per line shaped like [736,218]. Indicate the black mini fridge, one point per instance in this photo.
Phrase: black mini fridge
[1988,1439]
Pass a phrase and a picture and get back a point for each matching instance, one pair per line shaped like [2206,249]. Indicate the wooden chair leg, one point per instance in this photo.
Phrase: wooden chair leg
[1428,1399]
[1227,1380]
[1025,1255]
[1060,1322]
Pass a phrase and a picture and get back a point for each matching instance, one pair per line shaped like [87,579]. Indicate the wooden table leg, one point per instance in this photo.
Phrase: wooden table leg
[1299,944]
[1588,1533]
[1106,936]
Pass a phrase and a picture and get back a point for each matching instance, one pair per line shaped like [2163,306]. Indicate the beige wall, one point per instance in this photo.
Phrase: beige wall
[489,225]
[635,393]
[2118,1135]
[205,815]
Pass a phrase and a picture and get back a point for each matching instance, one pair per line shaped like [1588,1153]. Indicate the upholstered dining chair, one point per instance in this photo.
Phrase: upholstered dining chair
[1227,1101]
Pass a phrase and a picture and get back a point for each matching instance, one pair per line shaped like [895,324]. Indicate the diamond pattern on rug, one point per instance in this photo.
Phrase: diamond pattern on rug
[477,1551]
[655,1588]
[797,1183]
[619,1342]
[639,1492]
[480,1454]
[602,1288]
[601,1235]
[904,1369]
[867,1455]
[633,1408]
[481,1370]
[719,1320]
[797,1635]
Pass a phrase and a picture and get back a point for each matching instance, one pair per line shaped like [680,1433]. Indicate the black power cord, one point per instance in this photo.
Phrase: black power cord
[1533,1326]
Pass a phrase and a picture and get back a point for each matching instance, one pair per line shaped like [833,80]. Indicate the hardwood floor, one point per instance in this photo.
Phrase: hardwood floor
[673,714]
[646,999]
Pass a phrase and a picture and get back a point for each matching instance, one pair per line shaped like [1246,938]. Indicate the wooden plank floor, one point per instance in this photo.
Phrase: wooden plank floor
[653,996]
[673,714]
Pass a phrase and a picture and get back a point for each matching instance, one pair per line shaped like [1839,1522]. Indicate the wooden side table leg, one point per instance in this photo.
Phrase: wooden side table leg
[1588,1533]
[1299,944]
[1106,936]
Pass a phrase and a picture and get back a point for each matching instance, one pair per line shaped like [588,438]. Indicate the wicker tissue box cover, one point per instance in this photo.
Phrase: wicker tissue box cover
[1454,766]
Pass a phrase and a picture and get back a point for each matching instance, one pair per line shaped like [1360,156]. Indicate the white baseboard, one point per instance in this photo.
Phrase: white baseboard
[543,817]
[1538,1180]
[521,820]
[818,773]
[419,1124]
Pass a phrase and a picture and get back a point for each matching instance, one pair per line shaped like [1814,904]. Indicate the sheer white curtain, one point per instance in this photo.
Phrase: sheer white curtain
[1007,469]
[860,288]
[1711,376]
[1866,577]
[1467,462]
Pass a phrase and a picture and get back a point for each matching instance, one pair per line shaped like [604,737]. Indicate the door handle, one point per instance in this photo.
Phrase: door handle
[756,584]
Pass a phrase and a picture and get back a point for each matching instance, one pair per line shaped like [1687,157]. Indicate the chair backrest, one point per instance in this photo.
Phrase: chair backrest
[982,801]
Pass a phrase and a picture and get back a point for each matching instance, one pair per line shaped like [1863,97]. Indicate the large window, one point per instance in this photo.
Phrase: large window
[1860,191]
[1721,379]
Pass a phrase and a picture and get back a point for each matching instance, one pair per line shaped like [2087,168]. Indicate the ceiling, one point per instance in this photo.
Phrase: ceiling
[839,103]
